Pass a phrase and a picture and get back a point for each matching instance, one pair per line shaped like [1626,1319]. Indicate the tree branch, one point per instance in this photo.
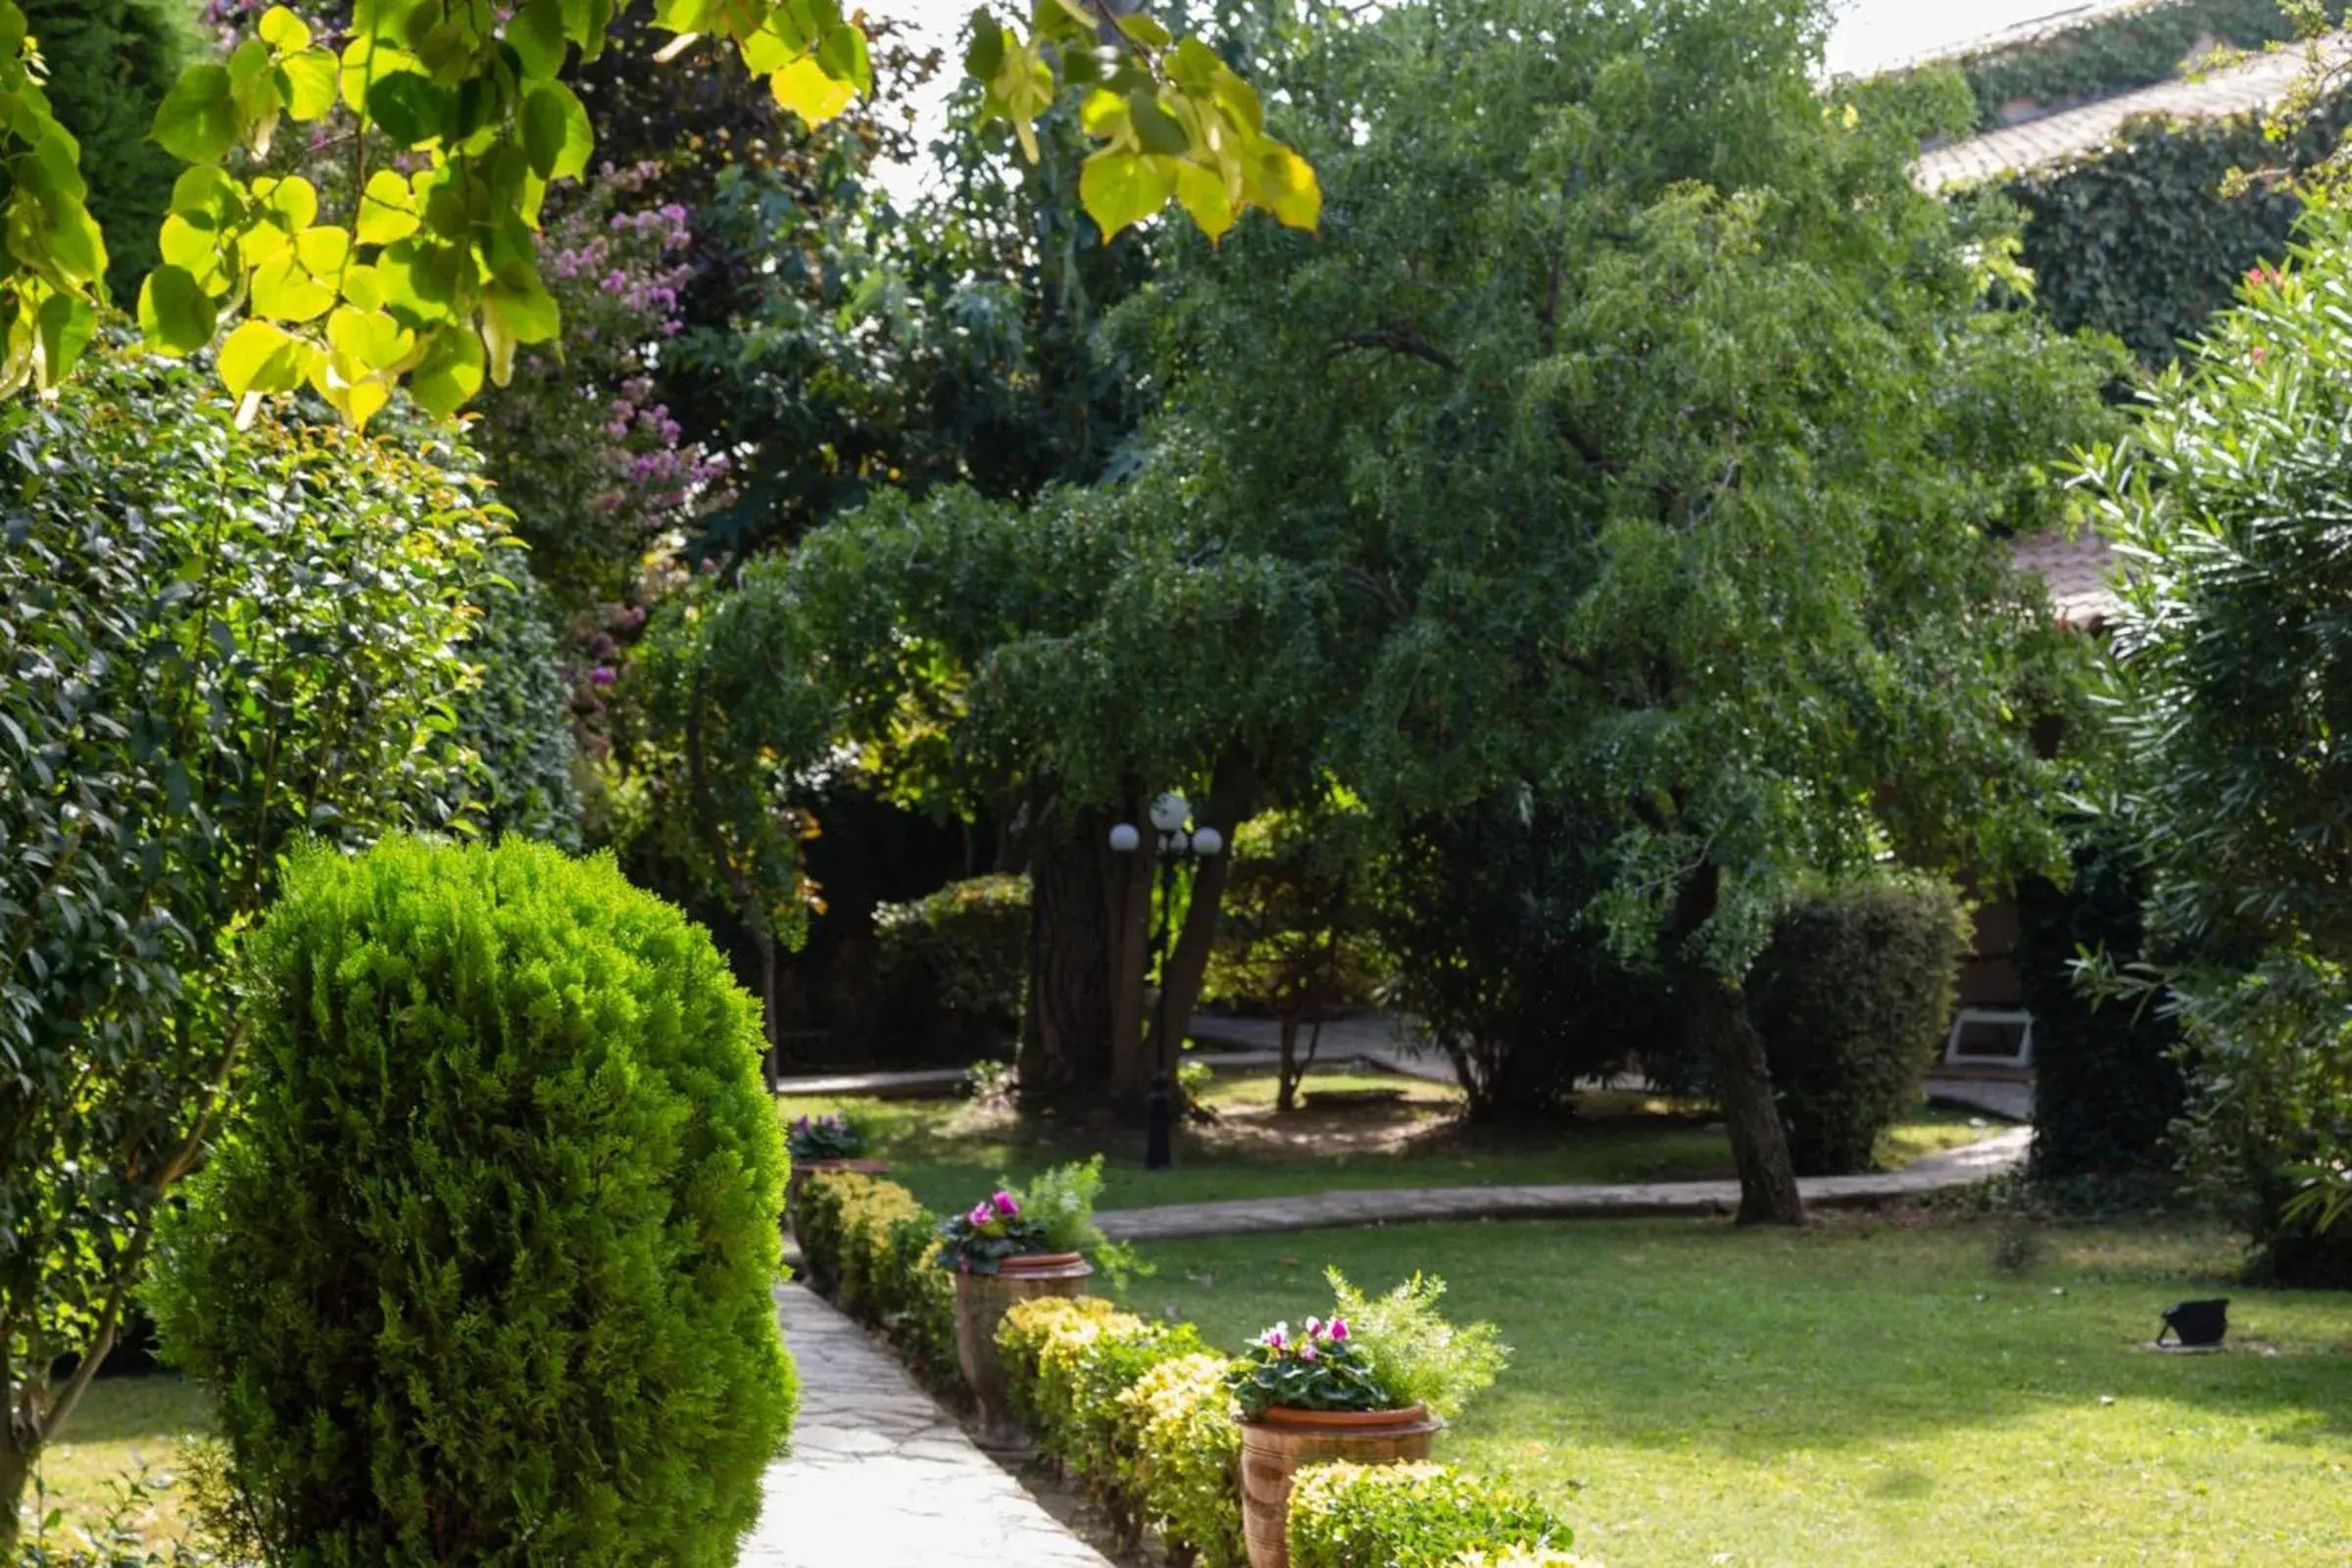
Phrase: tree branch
[1393,340]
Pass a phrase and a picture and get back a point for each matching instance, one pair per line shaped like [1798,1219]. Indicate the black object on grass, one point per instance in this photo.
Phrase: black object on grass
[2197,1323]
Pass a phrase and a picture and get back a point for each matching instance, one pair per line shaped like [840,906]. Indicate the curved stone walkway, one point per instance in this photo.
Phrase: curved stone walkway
[881,1477]
[1996,1156]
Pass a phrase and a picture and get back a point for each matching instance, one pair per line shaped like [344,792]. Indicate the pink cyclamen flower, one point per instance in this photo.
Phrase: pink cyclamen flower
[1005,1206]
[1338,1329]
[1273,1339]
[603,675]
[1306,1351]
[980,1216]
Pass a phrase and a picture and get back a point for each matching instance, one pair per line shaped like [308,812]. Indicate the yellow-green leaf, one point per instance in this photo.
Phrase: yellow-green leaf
[175,314]
[1203,195]
[804,88]
[309,84]
[1286,186]
[197,120]
[1120,187]
[284,31]
[387,209]
[450,373]
[259,359]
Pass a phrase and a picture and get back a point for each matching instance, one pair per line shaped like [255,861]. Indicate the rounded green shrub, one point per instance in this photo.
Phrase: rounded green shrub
[1853,997]
[953,962]
[480,1273]
[1409,1516]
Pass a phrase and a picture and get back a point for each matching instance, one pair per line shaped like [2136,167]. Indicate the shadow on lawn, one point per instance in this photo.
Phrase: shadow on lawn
[1669,1333]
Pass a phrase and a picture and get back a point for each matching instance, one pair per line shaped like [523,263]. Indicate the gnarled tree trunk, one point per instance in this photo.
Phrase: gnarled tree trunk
[1066,1027]
[1768,1190]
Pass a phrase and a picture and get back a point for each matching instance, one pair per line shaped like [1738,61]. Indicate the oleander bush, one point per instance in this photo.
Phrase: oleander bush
[1409,1516]
[1853,997]
[481,1272]
[867,1243]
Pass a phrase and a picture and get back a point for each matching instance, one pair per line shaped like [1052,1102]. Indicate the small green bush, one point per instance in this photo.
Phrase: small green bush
[953,963]
[1418,1357]
[482,1272]
[1853,997]
[1409,1516]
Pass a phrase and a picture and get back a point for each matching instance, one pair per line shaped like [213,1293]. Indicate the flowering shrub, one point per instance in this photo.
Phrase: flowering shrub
[1054,1214]
[830,1137]
[1321,1367]
[1409,1516]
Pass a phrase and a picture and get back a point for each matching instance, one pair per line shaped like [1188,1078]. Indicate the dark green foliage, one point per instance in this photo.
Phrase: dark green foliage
[951,963]
[1484,915]
[2137,239]
[211,643]
[1409,1516]
[1853,996]
[2133,47]
[110,64]
[484,1275]
[2106,1085]
[517,719]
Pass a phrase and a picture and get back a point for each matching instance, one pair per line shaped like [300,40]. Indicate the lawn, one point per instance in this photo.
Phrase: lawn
[945,1151]
[123,1427]
[1872,1393]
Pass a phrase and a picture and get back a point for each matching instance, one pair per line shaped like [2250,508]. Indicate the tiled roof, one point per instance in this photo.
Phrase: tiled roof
[2079,572]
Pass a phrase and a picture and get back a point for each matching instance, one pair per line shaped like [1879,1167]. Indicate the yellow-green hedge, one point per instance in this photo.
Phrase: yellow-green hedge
[868,1245]
[1410,1516]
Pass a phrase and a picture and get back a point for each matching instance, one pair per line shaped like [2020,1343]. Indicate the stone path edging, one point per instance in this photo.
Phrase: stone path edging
[1992,1156]
[880,1477]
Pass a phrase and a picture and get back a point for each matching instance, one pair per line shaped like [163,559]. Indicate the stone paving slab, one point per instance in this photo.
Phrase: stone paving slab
[880,1477]
[1992,1156]
[922,1083]
[2251,84]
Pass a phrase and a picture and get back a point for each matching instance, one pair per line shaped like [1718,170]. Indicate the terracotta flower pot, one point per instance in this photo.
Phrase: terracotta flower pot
[981,1302]
[800,1179]
[1278,1442]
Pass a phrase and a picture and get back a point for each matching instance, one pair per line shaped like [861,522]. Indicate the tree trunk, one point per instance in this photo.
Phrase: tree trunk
[1768,1190]
[1065,1029]
[1288,1074]
[1229,790]
[771,1065]
[15,1474]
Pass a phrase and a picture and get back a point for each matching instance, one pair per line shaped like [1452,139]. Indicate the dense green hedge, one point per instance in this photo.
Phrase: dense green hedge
[483,1273]
[1407,1516]
[2107,1086]
[1853,997]
[517,719]
[2117,52]
[953,965]
[2137,238]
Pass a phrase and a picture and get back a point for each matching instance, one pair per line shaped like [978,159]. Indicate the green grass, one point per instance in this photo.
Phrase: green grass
[122,1427]
[948,1151]
[1872,1393]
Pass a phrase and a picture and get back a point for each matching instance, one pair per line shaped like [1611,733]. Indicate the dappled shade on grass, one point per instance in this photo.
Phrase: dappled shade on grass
[1873,1393]
[941,1150]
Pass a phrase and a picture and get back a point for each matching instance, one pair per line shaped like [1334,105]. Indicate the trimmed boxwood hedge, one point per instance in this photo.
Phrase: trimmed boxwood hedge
[1853,997]
[481,1273]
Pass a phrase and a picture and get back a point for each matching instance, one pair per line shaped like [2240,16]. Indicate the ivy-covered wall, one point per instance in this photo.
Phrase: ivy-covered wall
[2137,238]
[2117,52]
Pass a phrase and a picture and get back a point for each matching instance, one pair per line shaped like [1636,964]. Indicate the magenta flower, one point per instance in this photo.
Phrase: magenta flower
[1005,1206]
[980,1216]
[1338,1329]
[603,675]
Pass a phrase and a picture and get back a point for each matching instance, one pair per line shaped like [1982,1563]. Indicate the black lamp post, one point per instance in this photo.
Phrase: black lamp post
[1178,846]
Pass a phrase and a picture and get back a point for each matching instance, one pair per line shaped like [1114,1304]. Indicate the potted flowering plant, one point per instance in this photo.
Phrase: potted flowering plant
[1370,1384]
[831,1142]
[1015,1244]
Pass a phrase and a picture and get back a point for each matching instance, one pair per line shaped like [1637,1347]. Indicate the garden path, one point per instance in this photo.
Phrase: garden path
[881,1477]
[1992,1156]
